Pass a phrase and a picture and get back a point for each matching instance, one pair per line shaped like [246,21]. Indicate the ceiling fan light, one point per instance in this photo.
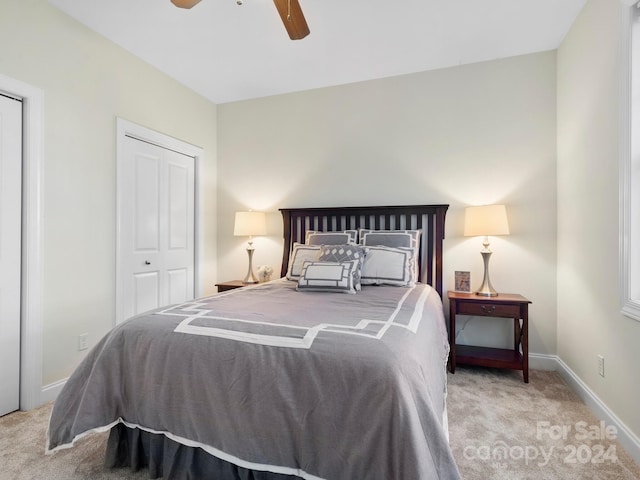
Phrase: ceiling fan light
[185,3]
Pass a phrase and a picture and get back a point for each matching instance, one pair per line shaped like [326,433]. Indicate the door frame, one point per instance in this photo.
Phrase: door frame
[125,128]
[32,239]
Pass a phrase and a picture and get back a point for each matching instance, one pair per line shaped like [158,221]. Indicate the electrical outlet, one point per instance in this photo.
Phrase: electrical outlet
[82,341]
[601,365]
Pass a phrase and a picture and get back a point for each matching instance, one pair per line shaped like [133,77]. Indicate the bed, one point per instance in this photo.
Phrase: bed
[336,371]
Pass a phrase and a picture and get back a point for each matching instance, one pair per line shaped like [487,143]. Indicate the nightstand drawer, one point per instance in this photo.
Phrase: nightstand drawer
[488,310]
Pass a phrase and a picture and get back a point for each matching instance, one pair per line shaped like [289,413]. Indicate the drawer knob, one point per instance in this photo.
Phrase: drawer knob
[488,308]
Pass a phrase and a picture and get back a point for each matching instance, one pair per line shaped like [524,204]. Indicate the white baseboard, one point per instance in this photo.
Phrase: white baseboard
[539,361]
[50,392]
[629,441]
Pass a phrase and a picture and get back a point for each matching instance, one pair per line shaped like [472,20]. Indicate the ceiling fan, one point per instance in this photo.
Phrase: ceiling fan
[289,10]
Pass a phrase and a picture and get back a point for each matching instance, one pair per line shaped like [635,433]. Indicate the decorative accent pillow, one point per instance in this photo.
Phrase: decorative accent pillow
[342,253]
[314,237]
[300,254]
[389,266]
[328,277]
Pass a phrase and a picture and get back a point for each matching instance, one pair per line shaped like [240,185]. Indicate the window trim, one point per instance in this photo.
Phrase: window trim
[630,307]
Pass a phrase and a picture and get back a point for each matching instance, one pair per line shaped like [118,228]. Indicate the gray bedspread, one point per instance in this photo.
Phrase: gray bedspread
[318,385]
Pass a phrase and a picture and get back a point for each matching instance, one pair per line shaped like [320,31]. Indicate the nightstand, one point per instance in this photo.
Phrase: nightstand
[505,305]
[230,285]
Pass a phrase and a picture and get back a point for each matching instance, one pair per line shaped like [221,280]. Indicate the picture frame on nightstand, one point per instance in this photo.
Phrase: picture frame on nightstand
[462,281]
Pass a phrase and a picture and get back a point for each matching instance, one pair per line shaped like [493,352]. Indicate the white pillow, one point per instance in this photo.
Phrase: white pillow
[330,238]
[396,239]
[300,254]
[389,266]
[328,276]
[390,238]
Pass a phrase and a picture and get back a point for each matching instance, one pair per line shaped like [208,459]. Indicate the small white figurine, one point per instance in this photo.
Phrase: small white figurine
[264,273]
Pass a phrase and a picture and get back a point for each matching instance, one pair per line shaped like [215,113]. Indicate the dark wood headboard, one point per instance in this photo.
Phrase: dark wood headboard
[428,218]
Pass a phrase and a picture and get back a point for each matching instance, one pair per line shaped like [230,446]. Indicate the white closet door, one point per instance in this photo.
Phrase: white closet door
[157,236]
[10,241]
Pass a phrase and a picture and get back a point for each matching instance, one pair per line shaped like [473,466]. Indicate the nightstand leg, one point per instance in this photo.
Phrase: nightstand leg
[517,334]
[525,346]
[452,336]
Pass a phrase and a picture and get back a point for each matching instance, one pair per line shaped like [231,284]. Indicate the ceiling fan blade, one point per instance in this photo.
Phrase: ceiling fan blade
[185,3]
[293,18]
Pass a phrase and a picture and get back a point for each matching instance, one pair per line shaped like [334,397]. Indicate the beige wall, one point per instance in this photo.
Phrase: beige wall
[589,319]
[87,83]
[474,134]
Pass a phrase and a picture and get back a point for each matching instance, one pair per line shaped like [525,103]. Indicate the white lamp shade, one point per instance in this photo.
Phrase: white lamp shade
[485,220]
[248,224]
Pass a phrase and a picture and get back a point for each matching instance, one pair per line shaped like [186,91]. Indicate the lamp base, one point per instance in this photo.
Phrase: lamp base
[250,278]
[486,294]
[486,289]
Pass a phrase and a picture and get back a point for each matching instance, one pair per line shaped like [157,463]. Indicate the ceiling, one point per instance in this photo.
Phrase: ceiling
[229,52]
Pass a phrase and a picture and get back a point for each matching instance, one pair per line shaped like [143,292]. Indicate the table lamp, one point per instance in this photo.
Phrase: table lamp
[486,220]
[249,224]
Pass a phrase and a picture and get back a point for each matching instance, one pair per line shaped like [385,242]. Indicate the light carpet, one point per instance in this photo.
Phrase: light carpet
[500,428]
